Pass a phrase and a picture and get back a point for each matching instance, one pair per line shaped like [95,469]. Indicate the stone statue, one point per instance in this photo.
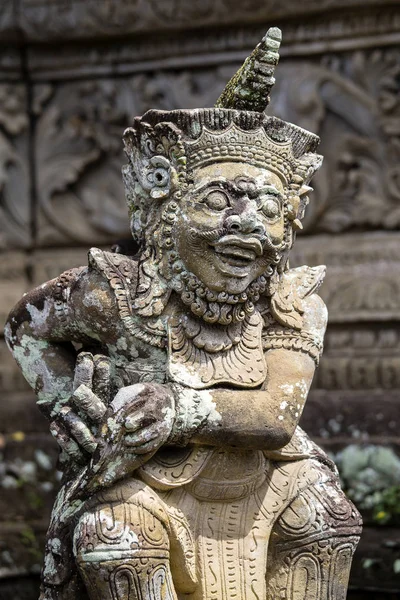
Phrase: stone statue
[174,380]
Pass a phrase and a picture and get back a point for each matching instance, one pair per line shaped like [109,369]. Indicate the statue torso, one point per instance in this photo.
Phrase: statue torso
[177,346]
[180,348]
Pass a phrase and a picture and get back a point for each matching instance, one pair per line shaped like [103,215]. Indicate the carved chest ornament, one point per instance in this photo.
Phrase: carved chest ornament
[201,354]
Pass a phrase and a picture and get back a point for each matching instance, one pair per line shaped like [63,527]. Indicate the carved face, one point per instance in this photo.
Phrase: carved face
[230,225]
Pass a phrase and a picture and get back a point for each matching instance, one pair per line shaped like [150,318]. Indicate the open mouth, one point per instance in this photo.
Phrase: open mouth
[236,255]
[238,251]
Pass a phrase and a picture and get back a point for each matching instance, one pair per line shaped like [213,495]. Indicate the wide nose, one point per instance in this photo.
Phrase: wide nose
[247,223]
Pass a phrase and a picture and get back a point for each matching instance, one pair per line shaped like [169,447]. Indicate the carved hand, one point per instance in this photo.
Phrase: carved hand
[138,421]
[76,424]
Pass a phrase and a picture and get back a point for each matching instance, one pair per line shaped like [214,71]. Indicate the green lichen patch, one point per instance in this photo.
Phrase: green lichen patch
[250,87]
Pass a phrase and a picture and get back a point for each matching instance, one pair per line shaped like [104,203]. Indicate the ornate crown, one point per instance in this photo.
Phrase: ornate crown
[218,134]
[163,146]
[254,147]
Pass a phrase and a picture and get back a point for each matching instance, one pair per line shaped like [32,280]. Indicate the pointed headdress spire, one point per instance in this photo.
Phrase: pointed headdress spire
[250,87]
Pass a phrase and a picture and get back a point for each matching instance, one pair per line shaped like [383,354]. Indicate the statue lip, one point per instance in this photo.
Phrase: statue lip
[235,247]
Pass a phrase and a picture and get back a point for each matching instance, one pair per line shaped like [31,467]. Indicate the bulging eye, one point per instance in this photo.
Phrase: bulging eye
[271,207]
[216,200]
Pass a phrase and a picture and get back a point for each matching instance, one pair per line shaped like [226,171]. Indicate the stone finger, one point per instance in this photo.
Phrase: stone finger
[140,439]
[147,447]
[102,377]
[87,402]
[79,431]
[109,476]
[137,421]
[69,446]
[84,369]
[130,396]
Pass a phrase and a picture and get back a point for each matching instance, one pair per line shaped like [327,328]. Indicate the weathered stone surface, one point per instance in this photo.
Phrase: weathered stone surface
[364,275]
[39,19]
[350,55]
[363,358]
[27,588]
[78,157]
[352,190]
[349,99]
[348,416]
[48,264]
[174,381]
[10,63]
[191,49]
[8,19]
[80,125]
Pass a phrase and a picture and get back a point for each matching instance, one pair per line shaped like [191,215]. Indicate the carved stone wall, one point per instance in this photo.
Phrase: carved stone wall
[74,73]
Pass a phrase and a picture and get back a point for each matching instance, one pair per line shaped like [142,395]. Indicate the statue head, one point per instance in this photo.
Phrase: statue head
[216,196]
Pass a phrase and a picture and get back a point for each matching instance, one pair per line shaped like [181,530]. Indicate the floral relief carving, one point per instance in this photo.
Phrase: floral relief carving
[79,188]
[83,18]
[7,17]
[14,171]
[79,152]
[354,108]
[69,173]
[363,358]
[363,283]
[352,101]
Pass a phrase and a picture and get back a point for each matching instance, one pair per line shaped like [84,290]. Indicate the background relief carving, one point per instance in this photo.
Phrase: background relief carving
[63,108]
[14,167]
[78,149]
[351,101]
[348,100]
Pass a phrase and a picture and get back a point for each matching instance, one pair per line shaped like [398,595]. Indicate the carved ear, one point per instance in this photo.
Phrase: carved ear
[307,165]
[157,156]
[310,163]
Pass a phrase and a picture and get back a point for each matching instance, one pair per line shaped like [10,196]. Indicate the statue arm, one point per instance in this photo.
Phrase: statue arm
[263,418]
[39,332]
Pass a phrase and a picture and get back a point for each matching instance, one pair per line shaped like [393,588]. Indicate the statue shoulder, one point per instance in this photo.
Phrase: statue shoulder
[103,290]
[118,269]
[293,296]
[298,315]
[121,273]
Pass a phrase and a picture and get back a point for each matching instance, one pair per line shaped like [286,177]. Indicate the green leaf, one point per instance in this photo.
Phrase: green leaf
[367,563]
[396,565]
